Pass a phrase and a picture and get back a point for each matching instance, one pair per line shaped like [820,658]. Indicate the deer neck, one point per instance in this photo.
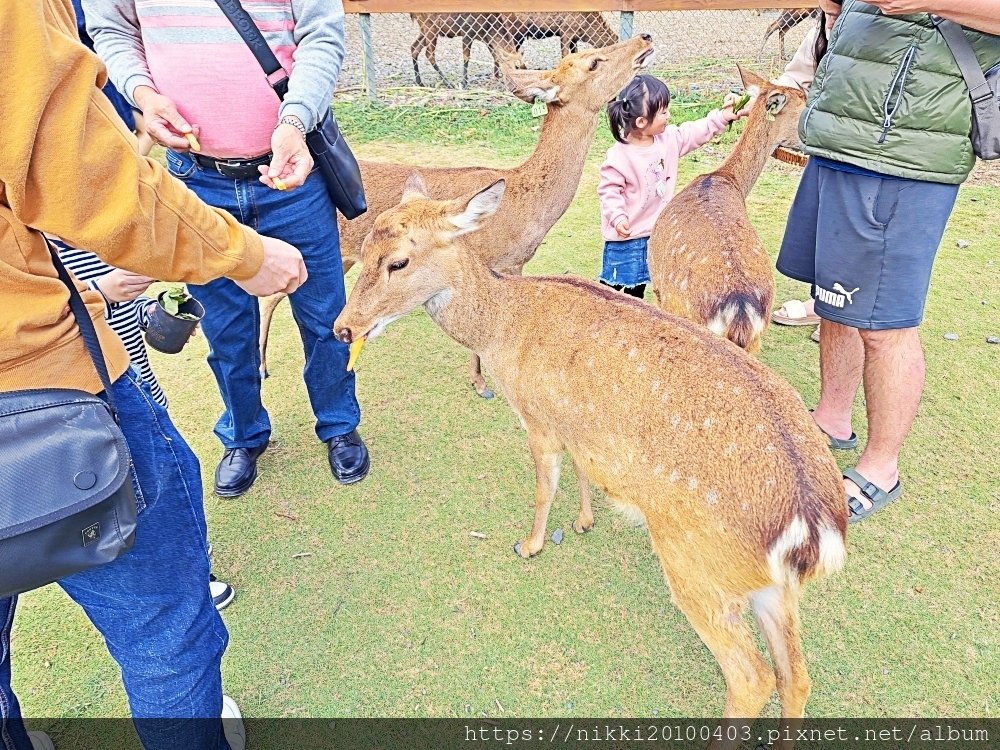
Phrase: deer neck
[749,156]
[547,182]
[473,306]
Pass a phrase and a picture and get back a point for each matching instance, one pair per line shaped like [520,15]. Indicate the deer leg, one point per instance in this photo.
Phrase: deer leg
[268,306]
[415,49]
[478,381]
[717,618]
[432,56]
[585,521]
[777,612]
[466,56]
[546,482]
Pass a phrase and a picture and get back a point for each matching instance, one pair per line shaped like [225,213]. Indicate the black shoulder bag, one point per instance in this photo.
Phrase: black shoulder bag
[982,89]
[66,497]
[329,149]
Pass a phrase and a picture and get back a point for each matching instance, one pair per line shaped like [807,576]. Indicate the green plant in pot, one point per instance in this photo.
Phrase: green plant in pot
[173,320]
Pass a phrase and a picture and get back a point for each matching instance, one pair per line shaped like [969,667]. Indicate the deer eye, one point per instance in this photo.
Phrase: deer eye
[594,63]
[398,265]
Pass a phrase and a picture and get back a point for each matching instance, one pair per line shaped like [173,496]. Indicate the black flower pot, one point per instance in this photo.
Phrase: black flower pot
[167,333]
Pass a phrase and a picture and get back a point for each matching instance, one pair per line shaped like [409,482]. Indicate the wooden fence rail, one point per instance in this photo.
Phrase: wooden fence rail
[522,6]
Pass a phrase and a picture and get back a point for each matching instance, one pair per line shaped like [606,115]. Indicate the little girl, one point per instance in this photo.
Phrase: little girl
[639,175]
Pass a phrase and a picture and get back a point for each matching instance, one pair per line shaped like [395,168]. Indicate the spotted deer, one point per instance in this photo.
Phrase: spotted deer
[706,261]
[496,30]
[738,490]
[538,191]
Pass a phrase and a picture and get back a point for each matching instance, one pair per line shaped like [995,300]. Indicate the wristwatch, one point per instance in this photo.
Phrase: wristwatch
[295,122]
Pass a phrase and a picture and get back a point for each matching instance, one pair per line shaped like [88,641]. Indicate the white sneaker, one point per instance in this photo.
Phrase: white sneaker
[232,724]
[222,593]
[40,741]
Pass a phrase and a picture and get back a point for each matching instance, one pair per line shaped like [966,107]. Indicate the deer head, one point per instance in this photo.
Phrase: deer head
[409,255]
[508,58]
[779,106]
[589,78]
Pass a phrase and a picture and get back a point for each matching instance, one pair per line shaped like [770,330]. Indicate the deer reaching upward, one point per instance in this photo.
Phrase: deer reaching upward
[538,191]
[706,261]
[741,496]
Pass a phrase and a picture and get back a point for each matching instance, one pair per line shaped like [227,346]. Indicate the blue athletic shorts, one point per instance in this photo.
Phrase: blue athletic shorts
[866,243]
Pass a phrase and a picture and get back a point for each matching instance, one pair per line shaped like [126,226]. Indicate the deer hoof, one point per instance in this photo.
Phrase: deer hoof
[520,551]
[580,528]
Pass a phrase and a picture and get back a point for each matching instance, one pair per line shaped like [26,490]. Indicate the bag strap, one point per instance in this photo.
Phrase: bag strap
[965,56]
[87,330]
[247,29]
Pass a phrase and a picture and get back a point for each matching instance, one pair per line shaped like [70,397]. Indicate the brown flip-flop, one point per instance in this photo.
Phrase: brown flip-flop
[793,313]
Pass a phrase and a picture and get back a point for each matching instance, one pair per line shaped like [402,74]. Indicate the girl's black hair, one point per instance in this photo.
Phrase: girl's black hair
[822,43]
[644,97]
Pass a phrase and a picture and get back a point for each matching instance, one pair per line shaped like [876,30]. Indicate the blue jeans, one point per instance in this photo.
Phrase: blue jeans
[151,604]
[625,262]
[305,218]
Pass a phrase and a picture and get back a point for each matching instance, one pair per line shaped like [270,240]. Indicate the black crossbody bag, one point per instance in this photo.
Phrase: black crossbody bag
[66,498]
[326,144]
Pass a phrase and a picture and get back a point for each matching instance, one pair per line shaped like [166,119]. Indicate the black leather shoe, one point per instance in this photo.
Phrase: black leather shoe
[348,458]
[237,471]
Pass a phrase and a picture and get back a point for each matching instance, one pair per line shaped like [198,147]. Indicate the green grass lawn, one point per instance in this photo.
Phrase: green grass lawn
[375,600]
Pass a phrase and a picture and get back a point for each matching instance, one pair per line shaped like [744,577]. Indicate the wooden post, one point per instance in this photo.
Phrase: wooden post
[627,27]
[368,56]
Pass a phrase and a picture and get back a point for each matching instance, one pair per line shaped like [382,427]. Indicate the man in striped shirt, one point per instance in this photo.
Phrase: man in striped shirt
[183,64]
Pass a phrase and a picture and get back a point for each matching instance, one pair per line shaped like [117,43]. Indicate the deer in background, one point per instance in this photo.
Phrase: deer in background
[493,29]
[538,191]
[786,21]
[738,490]
[706,261]
[571,28]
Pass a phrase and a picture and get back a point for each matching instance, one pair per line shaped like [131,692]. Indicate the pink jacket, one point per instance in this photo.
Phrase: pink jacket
[637,182]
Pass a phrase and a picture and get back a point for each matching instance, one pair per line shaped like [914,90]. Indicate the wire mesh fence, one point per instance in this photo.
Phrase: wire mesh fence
[696,48]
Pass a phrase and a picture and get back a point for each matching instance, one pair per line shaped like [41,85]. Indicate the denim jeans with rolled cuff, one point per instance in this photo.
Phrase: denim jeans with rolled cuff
[151,605]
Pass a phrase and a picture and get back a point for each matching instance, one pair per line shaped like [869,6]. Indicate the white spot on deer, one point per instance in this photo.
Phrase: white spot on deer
[590,363]
[684,284]
[665,397]
[658,470]
[692,483]
[674,222]
[704,260]
[655,386]
[591,408]
[770,448]
[683,248]
[760,428]
[707,423]
[674,476]
[728,264]
[675,421]
[633,353]
[730,449]
[614,388]
[640,369]
[737,391]
[712,497]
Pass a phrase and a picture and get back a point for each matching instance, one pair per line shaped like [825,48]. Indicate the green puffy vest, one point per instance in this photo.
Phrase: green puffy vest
[889,97]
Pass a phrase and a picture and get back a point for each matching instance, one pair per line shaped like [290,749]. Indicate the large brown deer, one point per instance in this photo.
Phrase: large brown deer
[538,191]
[787,20]
[494,29]
[706,261]
[741,496]
[571,28]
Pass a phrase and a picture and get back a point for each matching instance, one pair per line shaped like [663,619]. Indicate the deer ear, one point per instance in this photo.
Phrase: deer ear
[776,102]
[529,85]
[480,206]
[750,78]
[415,188]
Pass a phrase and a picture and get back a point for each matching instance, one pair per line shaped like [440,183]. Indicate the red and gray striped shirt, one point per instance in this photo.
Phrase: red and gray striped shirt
[190,52]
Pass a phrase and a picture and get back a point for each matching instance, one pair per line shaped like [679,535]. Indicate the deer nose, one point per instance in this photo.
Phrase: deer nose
[344,335]
[646,37]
